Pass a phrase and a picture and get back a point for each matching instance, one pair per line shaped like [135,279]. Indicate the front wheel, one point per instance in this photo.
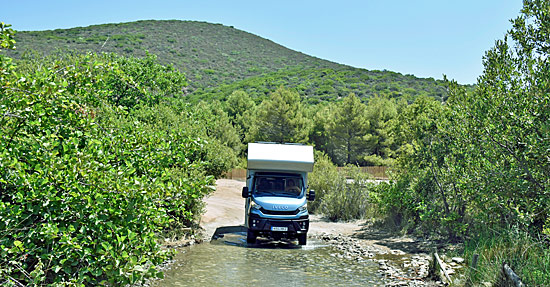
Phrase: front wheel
[302,239]
[250,236]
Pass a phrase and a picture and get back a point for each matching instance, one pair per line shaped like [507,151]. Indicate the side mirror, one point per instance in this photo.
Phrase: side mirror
[311,195]
[245,192]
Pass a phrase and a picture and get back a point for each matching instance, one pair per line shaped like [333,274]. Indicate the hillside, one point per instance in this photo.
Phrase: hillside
[318,84]
[214,55]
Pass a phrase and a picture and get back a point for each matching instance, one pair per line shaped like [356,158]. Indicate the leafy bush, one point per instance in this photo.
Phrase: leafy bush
[323,180]
[342,195]
[86,186]
[481,158]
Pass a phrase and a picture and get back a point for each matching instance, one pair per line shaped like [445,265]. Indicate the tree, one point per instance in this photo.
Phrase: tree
[280,118]
[143,80]
[348,128]
[321,115]
[505,122]
[217,124]
[241,109]
[481,158]
[380,143]
[76,170]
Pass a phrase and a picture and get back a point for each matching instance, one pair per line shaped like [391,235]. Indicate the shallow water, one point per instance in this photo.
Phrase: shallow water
[230,261]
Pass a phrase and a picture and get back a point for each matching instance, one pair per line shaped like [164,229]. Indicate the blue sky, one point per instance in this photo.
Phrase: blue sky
[426,38]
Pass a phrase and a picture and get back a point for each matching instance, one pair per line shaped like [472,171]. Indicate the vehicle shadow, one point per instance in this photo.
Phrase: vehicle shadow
[236,236]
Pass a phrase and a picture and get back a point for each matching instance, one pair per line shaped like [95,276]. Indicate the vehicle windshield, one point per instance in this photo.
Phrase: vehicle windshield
[278,185]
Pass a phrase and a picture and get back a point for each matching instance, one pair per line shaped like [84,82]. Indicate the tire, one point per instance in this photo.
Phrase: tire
[302,239]
[250,236]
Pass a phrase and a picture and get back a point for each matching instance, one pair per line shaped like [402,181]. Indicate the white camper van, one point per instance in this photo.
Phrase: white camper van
[276,191]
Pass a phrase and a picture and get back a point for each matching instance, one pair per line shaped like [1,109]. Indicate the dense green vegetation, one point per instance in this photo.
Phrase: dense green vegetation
[473,169]
[529,257]
[477,167]
[216,58]
[483,156]
[316,85]
[341,195]
[348,131]
[89,139]
[97,160]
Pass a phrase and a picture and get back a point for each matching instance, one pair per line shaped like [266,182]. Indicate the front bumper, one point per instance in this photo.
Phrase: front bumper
[273,226]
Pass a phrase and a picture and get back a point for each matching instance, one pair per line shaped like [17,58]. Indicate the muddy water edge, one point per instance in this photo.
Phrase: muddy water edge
[327,260]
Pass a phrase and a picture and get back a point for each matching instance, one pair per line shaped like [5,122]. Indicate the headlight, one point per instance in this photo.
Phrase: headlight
[302,208]
[254,205]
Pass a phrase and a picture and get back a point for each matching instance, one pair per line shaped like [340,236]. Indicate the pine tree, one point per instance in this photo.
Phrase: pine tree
[347,129]
[281,118]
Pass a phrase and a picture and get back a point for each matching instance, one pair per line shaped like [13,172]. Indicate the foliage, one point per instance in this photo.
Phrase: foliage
[218,127]
[7,34]
[280,118]
[347,129]
[330,84]
[350,131]
[481,159]
[477,167]
[318,135]
[380,144]
[352,198]
[6,42]
[143,80]
[241,110]
[506,124]
[426,194]
[323,180]
[87,185]
[172,114]
[209,54]
[527,256]
[342,195]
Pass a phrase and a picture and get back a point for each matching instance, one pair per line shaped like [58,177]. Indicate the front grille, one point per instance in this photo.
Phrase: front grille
[279,212]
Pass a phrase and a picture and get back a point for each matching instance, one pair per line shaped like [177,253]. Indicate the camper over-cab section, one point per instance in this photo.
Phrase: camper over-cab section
[283,157]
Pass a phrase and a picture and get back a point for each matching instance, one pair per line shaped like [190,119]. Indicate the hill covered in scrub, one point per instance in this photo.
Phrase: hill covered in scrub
[218,58]
[317,85]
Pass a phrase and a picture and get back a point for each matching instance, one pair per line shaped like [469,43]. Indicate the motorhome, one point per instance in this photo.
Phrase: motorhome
[276,191]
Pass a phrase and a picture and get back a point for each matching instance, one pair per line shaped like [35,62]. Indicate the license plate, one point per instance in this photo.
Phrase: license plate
[277,228]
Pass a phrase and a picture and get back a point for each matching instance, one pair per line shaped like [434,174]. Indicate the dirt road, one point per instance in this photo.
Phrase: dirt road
[224,207]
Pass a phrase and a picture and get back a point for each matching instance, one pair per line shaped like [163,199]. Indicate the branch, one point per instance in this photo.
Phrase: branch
[520,161]
[13,134]
[506,148]
[444,198]
[15,281]
[511,275]
[439,263]
[104,44]
[12,115]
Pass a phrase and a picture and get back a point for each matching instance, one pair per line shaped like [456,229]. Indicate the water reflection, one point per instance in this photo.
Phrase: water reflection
[230,261]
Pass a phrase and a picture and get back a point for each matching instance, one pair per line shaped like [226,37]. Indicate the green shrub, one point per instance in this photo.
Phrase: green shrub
[323,180]
[344,195]
[351,198]
[86,187]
